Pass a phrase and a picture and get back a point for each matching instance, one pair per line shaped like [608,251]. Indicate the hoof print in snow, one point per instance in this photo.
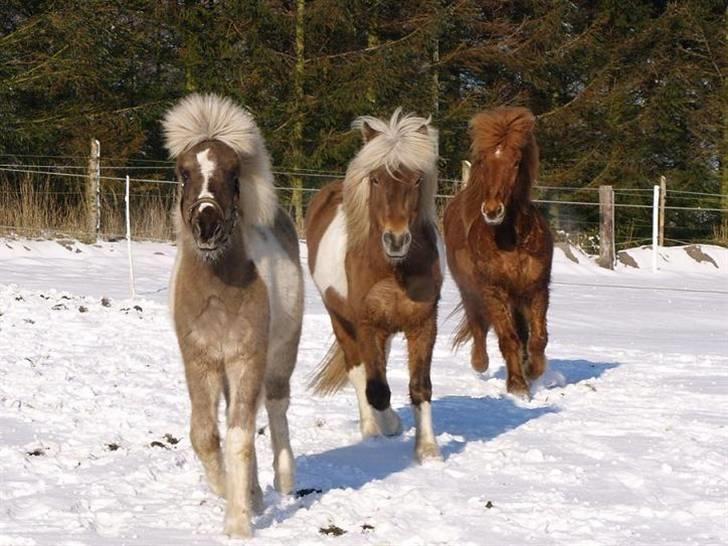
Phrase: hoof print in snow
[138,308]
[28,321]
[157,443]
[112,446]
[591,387]
[489,505]
[19,298]
[106,302]
[82,309]
[307,491]
[37,452]
[59,307]
[366,528]
[171,439]
[332,530]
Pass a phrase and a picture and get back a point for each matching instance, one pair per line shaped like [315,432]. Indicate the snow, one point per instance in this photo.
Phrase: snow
[624,441]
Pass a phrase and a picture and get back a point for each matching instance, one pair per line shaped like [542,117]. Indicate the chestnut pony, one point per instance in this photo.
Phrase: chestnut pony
[376,258]
[499,247]
[236,296]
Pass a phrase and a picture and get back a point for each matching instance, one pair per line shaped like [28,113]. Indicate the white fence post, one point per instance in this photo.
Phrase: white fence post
[655,225]
[465,173]
[128,239]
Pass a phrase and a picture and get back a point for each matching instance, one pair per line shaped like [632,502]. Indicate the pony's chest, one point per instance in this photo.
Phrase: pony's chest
[219,319]
[397,304]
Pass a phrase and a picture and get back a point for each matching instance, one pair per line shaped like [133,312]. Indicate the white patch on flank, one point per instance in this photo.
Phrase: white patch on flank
[284,284]
[440,251]
[207,167]
[330,270]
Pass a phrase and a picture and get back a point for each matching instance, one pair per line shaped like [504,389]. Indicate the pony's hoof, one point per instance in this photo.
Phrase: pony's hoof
[428,452]
[238,526]
[389,422]
[369,429]
[518,388]
[284,484]
[535,367]
[257,501]
[480,365]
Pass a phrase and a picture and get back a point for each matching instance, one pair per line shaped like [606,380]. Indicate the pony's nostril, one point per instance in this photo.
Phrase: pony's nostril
[387,238]
[407,238]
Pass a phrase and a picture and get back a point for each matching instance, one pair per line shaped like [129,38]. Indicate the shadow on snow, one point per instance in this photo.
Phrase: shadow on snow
[464,418]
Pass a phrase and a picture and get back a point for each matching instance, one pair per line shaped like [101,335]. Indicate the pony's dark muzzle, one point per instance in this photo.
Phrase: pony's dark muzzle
[493,216]
[207,222]
[396,245]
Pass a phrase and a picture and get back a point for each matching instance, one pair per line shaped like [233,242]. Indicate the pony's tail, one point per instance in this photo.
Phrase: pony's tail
[331,374]
[462,332]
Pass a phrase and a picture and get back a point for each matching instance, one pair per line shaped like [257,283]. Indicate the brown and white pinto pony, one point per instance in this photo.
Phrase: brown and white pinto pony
[376,257]
[236,296]
[499,247]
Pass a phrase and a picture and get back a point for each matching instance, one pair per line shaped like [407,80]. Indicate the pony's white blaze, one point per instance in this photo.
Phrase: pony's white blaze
[498,151]
[330,270]
[207,167]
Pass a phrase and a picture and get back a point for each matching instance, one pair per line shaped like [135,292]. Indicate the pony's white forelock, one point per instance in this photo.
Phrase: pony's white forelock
[403,141]
[197,118]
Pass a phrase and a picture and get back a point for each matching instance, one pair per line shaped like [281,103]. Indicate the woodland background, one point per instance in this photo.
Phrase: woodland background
[625,92]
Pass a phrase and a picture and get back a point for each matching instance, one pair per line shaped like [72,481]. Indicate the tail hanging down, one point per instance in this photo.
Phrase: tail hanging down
[462,332]
[331,374]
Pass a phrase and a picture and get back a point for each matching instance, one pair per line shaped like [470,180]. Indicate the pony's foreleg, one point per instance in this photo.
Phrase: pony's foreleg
[373,350]
[420,342]
[241,488]
[500,313]
[538,335]
[204,383]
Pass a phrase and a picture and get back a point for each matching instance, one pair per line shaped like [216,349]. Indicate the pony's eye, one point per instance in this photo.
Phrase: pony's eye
[185,176]
[419,181]
[374,180]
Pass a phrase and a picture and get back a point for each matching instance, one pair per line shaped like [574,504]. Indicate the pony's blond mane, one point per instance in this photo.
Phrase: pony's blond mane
[403,141]
[197,118]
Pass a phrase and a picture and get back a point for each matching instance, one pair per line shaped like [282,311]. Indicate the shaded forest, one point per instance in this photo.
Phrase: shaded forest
[625,91]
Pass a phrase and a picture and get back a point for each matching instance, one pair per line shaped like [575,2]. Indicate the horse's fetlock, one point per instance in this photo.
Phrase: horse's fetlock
[378,394]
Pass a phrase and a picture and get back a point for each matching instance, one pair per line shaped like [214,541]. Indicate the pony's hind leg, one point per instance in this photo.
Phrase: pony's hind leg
[521,324]
[374,349]
[538,339]
[475,326]
[420,342]
[204,383]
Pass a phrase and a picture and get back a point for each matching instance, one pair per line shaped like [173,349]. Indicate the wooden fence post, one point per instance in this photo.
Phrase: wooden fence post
[92,194]
[663,191]
[465,170]
[606,227]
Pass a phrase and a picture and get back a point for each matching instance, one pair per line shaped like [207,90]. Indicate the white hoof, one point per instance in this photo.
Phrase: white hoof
[238,526]
[369,428]
[388,422]
[428,452]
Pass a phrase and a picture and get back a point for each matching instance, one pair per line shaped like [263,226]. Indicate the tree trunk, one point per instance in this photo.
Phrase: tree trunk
[298,79]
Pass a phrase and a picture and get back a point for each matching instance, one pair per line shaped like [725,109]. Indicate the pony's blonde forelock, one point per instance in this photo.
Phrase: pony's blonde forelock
[197,118]
[403,141]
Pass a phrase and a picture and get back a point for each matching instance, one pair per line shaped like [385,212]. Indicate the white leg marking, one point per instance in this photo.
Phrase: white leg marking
[283,464]
[207,167]
[367,423]
[239,448]
[425,443]
[330,270]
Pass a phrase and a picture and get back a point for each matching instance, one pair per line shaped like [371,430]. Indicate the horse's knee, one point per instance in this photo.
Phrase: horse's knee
[378,394]
[420,391]
[277,388]
[205,439]
[509,343]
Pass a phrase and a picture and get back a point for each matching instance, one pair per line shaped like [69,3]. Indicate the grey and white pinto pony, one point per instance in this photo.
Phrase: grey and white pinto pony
[236,296]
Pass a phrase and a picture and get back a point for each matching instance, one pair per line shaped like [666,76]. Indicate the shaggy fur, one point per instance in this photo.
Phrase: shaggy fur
[198,118]
[502,270]
[403,141]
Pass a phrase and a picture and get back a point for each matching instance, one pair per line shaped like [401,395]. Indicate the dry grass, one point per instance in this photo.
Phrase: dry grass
[46,207]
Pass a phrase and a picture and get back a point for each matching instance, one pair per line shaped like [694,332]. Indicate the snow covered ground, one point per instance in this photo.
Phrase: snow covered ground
[625,442]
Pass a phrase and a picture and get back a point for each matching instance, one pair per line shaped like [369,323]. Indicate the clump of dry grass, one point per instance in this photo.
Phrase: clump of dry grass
[43,206]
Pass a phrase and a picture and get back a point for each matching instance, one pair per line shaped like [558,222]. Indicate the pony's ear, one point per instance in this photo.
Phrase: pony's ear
[424,130]
[368,132]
